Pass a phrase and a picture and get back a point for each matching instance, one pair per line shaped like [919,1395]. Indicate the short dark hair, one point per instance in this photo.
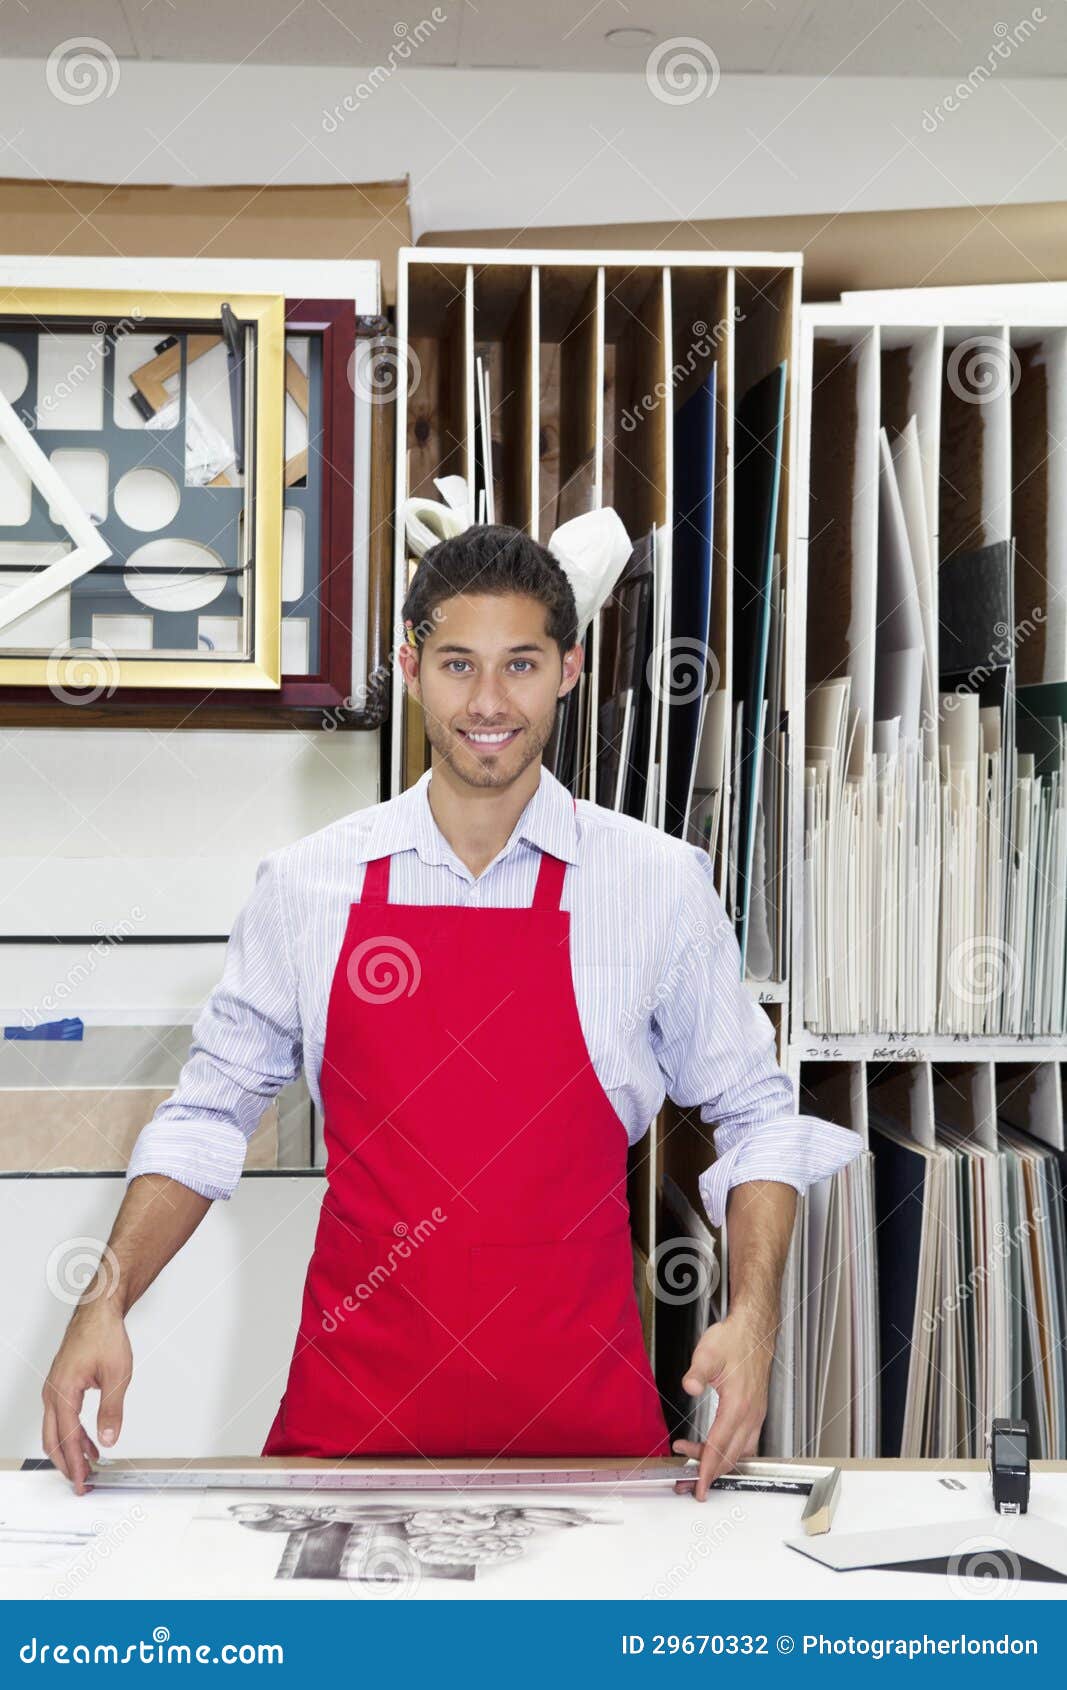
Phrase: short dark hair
[496,559]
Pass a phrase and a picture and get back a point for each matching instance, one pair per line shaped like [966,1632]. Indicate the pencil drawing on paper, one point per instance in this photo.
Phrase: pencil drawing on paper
[396,1544]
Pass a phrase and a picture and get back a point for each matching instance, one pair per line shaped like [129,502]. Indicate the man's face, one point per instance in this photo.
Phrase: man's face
[490,679]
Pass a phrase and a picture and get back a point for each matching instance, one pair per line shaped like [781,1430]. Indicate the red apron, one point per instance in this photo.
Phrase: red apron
[471,1287]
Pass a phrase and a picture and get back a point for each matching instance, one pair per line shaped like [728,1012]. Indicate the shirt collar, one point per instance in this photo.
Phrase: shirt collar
[406,823]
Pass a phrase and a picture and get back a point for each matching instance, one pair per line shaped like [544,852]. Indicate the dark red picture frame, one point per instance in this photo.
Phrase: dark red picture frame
[301,699]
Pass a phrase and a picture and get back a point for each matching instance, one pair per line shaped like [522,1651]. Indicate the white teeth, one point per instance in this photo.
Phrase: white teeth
[491,739]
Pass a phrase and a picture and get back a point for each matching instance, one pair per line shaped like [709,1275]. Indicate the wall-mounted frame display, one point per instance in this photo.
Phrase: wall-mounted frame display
[141,481]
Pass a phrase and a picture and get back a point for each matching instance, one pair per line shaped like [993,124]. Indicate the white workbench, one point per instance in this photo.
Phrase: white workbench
[147,1545]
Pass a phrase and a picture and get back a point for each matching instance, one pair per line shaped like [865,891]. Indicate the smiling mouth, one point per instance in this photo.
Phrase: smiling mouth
[489,739]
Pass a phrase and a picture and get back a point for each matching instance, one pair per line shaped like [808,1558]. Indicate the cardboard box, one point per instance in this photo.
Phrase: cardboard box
[353,220]
[932,247]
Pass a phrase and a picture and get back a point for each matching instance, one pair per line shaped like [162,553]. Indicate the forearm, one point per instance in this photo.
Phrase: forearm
[735,1355]
[158,1215]
[759,1227]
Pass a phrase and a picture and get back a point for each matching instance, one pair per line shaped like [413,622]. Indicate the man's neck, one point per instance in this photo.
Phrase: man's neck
[478,821]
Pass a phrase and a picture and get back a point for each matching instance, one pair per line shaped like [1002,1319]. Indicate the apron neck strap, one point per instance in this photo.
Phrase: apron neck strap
[375,882]
[547,892]
[549,888]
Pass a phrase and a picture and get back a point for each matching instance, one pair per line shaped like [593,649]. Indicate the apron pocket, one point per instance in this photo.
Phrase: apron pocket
[557,1326]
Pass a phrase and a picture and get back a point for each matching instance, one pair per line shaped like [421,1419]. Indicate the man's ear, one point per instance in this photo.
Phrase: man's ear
[573,661]
[408,658]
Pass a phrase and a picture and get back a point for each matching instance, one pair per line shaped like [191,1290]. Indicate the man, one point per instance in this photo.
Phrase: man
[491,988]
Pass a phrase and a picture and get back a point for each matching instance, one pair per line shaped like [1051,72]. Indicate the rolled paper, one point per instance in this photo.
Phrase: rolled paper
[593,550]
[428,521]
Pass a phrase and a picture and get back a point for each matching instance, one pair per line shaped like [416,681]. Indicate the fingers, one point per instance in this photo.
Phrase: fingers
[113,1385]
[90,1454]
[50,1435]
[715,1457]
[734,1449]
[686,1446]
[729,1441]
[64,1439]
[68,1410]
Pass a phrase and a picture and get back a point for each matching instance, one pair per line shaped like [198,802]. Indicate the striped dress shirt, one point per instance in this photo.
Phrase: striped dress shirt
[656,971]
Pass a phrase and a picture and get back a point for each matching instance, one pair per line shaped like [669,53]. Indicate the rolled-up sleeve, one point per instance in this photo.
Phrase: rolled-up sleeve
[715,1046]
[246,1045]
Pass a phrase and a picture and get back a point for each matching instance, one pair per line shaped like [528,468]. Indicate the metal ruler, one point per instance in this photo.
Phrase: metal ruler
[110,1475]
[821,1485]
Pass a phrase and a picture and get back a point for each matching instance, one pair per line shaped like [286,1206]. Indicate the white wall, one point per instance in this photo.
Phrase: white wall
[501,148]
[172,822]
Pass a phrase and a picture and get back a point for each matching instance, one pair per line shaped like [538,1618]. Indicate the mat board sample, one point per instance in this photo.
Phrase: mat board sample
[106,1085]
[126,633]
[1009,1548]
[760,436]
[47,625]
[85,473]
[694,671]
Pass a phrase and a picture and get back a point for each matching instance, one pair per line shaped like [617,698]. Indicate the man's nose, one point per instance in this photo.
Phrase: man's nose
[490,697]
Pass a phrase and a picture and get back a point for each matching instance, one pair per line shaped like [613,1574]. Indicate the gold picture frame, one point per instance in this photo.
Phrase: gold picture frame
[91,310]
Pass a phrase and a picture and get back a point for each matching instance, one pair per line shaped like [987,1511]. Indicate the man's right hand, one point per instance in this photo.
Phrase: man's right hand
[95,1354]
